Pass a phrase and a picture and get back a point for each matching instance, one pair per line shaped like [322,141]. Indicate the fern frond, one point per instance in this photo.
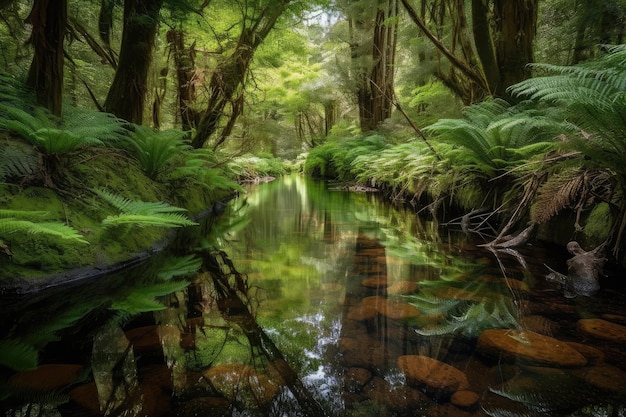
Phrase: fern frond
[126,205]
[18,162]
[155,149]
[157,220]
[12,225]
[18,355]
[559,191]
[177,267]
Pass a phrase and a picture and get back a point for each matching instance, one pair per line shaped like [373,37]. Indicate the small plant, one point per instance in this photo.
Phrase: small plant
[156,150]
[141,213]
[22,221]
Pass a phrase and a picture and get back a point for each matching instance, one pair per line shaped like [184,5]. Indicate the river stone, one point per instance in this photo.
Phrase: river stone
[85,396]
[237,381]
[616,318]
[603,329]
[402,287]
[397,398]
[398,310]
[528,347]
[375,281]
[47,377]
[593,355]
[464,399]
[539,324]
[355,378]
[432,374]
[367,308]
[605,377]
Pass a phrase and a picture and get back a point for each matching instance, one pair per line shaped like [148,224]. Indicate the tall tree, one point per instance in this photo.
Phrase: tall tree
[127,94]
[503,32]
[373,38]
[45,76]
[515,28]
[229,77]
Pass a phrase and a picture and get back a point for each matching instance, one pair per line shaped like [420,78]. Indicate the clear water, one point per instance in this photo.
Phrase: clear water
[315,302]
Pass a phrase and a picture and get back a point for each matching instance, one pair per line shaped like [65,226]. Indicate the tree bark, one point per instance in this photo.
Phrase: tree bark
[228,79]
[184,60]
[127,94]
[516,23]
[484,43]
[45,76]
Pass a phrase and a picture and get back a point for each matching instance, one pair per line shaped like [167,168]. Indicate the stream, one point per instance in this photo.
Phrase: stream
[298,299]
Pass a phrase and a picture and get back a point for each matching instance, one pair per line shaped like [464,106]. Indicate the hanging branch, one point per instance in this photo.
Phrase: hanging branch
[458,63]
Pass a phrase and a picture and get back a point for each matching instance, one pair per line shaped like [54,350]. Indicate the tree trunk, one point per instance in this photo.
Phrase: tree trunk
[383,53]
[184,60]
[484,43]
[228,79]
[374,62]
[515,23]
[45,76]
[127,94]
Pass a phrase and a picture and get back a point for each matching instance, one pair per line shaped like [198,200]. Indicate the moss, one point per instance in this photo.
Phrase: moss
[76,206]
[598,224]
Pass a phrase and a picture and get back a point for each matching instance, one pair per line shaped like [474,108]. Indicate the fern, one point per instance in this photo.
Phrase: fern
[155,150]
[176,267]
[494,137]
[141,213]
[18,355]
[17,161]
[12,221]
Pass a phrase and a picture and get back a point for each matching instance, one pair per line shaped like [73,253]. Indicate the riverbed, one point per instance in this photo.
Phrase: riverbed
[303,299]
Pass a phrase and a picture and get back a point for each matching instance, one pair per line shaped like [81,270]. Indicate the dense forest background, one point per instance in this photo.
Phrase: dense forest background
[439,102]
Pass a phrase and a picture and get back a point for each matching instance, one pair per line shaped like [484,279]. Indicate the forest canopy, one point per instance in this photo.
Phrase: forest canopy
[490,106]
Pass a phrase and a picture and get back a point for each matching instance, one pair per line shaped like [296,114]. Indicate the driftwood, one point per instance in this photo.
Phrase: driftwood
[508,242]
[583,271]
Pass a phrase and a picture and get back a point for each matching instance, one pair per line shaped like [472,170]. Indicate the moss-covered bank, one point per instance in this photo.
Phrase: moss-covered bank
[31,255]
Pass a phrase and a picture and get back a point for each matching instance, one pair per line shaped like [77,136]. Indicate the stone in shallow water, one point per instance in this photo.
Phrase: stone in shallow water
[241,382]
[432,374]
[464,399]
[593,355]
[399,398]
[375,282]
[395,309]
[605,377]
[356,378]
[603,329]
[402,287]
[47,377]
[539,324]
[528,347]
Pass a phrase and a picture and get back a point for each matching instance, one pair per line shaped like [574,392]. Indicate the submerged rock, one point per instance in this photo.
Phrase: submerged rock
[432,374]
[603,329]
[47,377]
[529,348]
[583,271]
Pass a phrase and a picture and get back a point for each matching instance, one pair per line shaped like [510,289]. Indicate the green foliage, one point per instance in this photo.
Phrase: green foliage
[12,221]
[592,97]
[18,355]
[156,150]
[78,129]
[141,213]
[251,168]
[598,225]
[494,137]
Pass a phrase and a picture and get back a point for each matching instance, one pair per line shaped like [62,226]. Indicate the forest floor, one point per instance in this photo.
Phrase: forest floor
[28,257]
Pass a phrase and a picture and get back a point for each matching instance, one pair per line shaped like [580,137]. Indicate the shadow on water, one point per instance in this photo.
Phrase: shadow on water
[301,300]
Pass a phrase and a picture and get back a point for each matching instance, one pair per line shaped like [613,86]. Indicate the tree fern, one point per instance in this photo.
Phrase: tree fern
[494,137]
[141,213]
[155,150]
[592,97]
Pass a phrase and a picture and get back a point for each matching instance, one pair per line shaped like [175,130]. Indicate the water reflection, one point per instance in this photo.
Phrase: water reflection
[304,301]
